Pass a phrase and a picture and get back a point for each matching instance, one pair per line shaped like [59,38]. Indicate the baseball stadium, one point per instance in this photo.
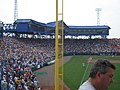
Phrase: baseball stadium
[54,55]
[27,54]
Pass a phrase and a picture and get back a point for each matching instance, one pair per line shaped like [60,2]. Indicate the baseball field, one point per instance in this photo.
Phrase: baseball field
[76,70]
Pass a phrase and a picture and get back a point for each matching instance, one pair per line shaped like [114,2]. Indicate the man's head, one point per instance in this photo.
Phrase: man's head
[102,72]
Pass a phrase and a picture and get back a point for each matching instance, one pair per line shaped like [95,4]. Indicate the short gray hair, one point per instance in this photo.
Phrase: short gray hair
[100,66]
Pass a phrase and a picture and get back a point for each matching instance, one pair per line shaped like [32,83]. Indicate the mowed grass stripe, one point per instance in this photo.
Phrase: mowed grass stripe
[73,71]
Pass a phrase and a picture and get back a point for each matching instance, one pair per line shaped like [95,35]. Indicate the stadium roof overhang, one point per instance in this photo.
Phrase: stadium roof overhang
[49,28]
[90,27]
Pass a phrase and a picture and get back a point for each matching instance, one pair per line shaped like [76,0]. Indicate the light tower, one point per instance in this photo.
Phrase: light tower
[98,15]
[15,10]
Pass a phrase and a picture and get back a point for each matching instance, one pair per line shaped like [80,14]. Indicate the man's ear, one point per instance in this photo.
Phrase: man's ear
[98,75]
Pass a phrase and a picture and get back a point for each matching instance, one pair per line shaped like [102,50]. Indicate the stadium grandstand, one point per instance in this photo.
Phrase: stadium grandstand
[29,26]
[28,45]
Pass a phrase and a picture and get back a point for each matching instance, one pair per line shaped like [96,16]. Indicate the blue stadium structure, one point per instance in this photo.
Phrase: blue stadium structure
[1,28]
[29,26]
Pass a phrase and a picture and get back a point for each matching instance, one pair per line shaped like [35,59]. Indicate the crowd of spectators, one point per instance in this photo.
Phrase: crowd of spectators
[18,57]
[16,75]
[92,46]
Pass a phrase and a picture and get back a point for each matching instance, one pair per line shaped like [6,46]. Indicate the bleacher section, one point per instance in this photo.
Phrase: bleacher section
[20,56]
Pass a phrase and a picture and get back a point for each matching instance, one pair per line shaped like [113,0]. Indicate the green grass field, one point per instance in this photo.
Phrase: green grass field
[74,71]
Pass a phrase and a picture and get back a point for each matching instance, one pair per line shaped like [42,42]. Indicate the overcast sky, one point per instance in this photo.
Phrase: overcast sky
[76,12]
